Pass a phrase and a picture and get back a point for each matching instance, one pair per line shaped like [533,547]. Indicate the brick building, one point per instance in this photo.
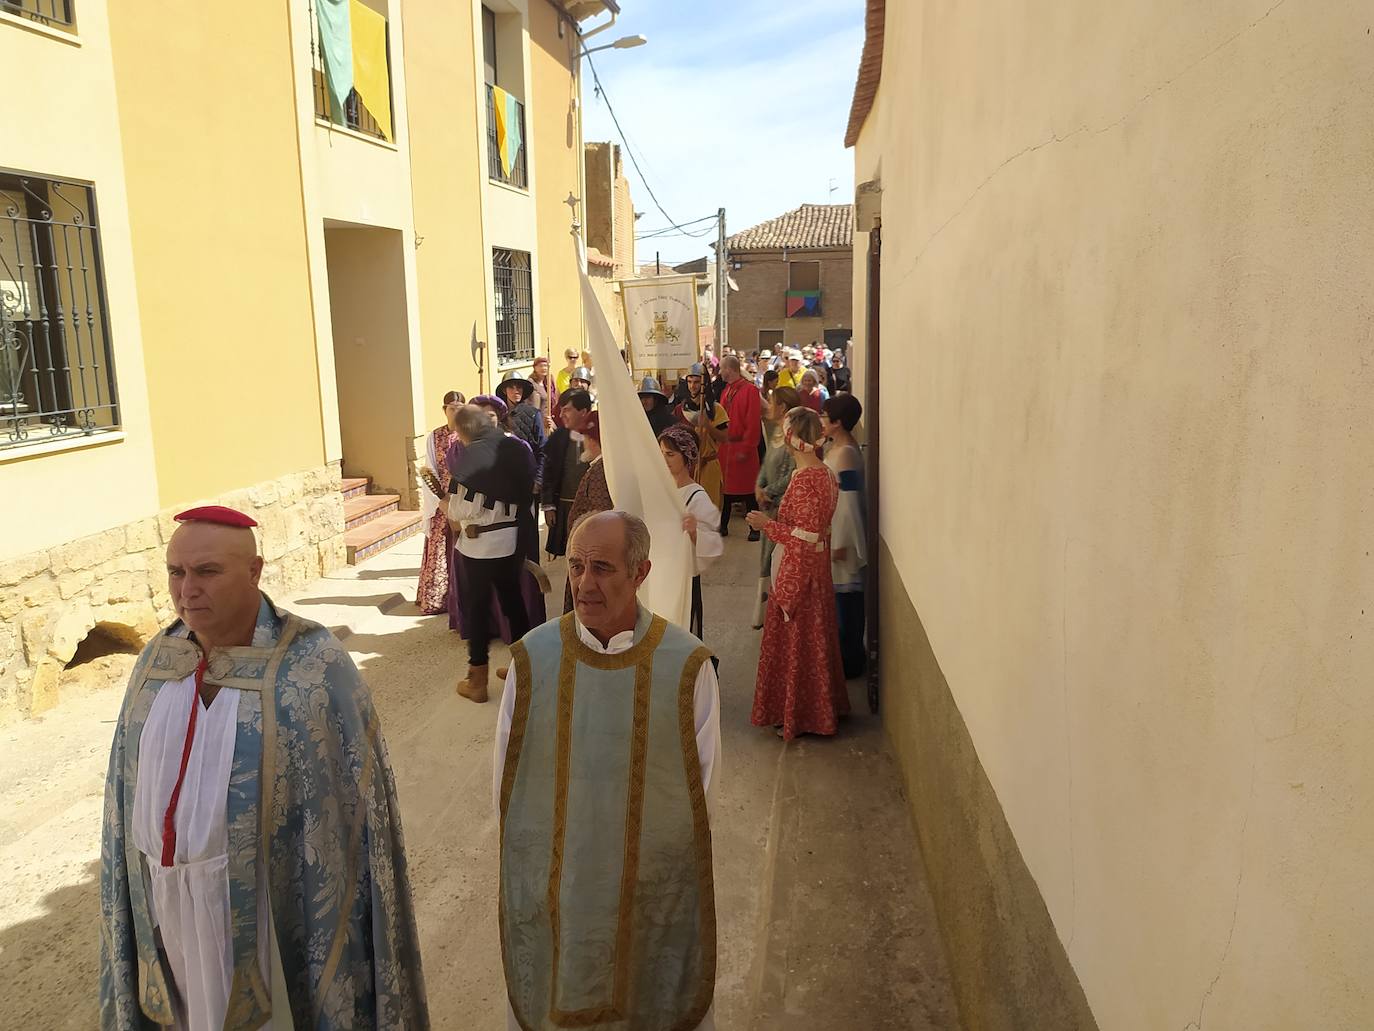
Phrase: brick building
[795,278]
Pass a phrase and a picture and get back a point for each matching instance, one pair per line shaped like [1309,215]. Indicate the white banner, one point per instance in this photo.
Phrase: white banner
[661,321]
[635,471]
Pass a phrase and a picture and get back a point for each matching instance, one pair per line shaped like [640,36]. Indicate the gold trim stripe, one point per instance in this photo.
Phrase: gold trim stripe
[701,825]
[567,687]
[634,825]
[632,656]
[524,681]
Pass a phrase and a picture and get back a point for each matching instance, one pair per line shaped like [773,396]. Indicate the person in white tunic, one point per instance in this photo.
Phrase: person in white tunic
[215,914]
[607,755]
[702,521]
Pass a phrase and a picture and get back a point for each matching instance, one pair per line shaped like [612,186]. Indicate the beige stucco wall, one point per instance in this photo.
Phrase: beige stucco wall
[210,152]
[1127,452]
[448,170]
[557,161]
[69,82]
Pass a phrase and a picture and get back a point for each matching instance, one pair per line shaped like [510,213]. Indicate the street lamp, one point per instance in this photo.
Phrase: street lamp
[623,43]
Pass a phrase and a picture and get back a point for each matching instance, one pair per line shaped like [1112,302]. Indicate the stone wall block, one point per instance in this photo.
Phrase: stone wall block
[11,602]
[16,570]
[11,649]
[264,494]
[88,551]
[36,626]
[142,535]
[166,525]
[72,625]
[69,585]
[43,691]
[326,517]
[333,554]
[124,587]
[134,622]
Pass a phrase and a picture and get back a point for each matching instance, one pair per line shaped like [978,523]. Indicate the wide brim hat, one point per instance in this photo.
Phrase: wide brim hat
[493,402]
[526,387]
[650,388]
[765,356]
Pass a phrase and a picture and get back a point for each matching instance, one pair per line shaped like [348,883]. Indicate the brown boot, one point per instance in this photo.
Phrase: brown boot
[474,686]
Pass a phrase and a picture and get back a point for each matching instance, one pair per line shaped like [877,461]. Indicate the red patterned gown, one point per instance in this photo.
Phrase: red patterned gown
[801,680]
[431,594]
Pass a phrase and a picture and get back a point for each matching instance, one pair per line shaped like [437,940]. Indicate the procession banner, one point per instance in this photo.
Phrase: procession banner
[635,471]
[661,321]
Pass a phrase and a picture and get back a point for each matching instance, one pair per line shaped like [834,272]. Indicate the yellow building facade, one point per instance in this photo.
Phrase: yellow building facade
[247,274]
[1124,433]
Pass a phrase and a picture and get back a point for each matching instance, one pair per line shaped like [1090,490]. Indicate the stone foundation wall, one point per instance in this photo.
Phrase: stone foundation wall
[116,580]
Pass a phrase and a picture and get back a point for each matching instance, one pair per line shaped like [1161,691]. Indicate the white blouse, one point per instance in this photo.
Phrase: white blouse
[710,545]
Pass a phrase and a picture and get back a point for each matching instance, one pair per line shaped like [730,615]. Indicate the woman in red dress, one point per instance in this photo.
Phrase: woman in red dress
[431,594]
[800,687]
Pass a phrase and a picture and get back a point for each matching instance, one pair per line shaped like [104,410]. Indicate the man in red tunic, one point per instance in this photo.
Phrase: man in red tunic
[739,455]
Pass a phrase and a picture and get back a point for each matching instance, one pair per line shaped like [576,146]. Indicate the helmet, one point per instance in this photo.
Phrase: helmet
[697,369]
[583,373]
[650,388]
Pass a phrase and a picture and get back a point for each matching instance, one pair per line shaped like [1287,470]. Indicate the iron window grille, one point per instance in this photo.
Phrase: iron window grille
[57,372]
[45,12]
[519,176]
[510,273]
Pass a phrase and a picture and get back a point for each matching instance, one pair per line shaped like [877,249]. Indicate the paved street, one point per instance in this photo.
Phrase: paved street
[824,919]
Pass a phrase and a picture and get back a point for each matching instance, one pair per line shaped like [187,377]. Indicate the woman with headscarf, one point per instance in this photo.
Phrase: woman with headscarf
[774,476]
[800,687]
[593,495]
[702,522]
[848,530]
[431,593]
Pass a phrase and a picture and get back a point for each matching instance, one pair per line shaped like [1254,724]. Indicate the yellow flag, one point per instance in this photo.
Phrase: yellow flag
[500,109]
[371,76]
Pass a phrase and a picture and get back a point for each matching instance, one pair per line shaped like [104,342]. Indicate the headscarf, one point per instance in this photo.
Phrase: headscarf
[493,402]
[683,440]
[592,427]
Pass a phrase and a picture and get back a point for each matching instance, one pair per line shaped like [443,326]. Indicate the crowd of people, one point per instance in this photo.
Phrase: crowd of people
[253,866]
[765,435]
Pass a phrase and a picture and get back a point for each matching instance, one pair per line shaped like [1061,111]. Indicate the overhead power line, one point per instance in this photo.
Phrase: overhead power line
[601,92]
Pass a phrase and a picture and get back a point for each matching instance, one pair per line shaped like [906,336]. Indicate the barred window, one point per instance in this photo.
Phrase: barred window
[57,373]
[45,12]
[514,306]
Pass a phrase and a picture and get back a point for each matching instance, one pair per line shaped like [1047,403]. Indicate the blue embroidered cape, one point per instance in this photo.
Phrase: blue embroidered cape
[311,790]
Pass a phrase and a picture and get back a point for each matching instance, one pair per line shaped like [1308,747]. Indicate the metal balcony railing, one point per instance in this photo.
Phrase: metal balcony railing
[45,12]
[355,115]
[518,176]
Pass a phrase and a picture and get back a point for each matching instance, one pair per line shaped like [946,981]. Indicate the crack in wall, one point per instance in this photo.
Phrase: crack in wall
[1055,138]
[1196,1025]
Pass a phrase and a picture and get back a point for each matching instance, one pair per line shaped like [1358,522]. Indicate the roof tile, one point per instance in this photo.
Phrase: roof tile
[811,226]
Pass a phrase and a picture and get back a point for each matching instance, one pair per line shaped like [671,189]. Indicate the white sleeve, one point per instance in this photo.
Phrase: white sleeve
[710,546]
[429,504]
[707,713]
[504,715]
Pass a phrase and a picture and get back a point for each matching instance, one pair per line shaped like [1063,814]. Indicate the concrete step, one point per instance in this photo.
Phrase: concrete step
[366,507]
[354,486]
[380,533]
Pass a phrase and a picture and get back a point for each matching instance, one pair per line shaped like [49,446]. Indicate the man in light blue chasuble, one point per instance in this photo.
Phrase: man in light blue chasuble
[607,750]
[253,872]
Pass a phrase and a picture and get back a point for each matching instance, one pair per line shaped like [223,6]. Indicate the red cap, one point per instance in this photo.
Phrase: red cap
[215,514]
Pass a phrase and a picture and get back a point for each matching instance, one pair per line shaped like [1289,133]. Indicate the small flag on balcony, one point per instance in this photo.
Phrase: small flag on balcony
[508,136]
[336,53]
[371,75]
[803,303]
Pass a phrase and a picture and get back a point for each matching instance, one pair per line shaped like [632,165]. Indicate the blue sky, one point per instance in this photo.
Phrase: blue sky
[734,103]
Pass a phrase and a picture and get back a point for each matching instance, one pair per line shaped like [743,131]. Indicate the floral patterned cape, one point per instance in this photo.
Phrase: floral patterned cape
[336,870]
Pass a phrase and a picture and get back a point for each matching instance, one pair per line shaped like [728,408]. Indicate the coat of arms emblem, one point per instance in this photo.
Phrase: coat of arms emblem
[662,332]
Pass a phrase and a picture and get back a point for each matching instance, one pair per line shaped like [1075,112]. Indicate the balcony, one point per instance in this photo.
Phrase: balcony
[44,12]
[359,57]
[510,168]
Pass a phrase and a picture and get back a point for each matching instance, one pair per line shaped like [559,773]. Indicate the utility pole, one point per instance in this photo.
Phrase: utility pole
[720,281]
[658,265]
